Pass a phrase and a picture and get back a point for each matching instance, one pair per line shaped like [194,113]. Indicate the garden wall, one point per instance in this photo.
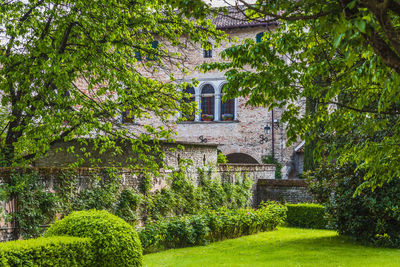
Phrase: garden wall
[129,178]
[290,190]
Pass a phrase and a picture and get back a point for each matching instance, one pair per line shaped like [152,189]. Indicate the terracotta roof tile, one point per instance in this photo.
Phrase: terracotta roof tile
[236,18]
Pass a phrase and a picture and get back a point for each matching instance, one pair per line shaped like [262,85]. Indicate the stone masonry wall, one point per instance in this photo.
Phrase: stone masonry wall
[291,191]
[51,177]
[243,135]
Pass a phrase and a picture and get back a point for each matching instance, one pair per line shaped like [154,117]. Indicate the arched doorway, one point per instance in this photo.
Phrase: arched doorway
[241,158]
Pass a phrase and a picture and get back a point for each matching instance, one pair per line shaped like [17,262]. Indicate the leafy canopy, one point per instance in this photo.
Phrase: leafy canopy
[69,68]
[345,57]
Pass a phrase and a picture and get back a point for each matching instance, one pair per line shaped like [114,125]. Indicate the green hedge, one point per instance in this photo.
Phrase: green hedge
[115,242]
[52,251]
[306,215]
[210,226]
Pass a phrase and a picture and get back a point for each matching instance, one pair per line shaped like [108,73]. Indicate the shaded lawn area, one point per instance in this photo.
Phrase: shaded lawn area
[283,247]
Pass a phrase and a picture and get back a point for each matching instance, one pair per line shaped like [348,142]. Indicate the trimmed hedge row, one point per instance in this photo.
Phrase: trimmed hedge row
[83,238]
[306,215]
[52,251]
[210,226]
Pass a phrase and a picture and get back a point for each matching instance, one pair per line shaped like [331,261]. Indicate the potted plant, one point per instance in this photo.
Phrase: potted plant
[207,117]
[227,117]
[189,117]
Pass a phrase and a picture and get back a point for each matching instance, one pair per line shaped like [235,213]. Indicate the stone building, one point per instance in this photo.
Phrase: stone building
[239,130]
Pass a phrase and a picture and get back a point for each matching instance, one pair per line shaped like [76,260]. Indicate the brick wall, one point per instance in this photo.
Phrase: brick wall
[243,134]
[51,177]
[291,191]
[199,154]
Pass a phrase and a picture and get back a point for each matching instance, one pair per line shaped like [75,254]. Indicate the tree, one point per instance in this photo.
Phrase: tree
[345,56]
[69,68]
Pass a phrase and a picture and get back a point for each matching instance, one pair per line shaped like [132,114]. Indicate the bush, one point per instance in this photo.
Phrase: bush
[306,215]
[371,216]
[210,226]
[52,251]
[367,216]
[115,242]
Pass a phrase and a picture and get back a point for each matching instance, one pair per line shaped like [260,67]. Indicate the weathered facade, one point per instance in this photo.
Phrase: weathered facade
[236,128]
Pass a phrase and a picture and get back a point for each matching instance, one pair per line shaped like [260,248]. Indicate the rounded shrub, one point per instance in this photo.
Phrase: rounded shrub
[115,241]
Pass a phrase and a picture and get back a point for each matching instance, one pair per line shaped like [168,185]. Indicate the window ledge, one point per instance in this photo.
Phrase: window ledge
[207,122]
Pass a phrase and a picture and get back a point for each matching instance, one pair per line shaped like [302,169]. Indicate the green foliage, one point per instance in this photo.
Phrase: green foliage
[342,56]
[115,242]
[99,194]
[50,48]
[52,251]
[278,166]
[320,181]
[128,204]
[35,206]
[221,158]
[210,226]
[184,197]
[306,215]
[368,216]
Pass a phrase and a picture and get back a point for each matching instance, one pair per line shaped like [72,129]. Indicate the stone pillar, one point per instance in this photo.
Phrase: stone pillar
[217,105]
[198,101]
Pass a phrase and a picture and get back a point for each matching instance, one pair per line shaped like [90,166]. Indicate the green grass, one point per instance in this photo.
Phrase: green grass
[283,247]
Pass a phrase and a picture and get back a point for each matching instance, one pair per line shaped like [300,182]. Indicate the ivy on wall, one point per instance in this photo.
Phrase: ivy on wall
[37,206]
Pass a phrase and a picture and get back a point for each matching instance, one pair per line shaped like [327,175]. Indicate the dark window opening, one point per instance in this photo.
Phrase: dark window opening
[138,56]
[189,90]
[154,45]
[207,103]
[259,37]
[127,117]
[208,51]
[227,109]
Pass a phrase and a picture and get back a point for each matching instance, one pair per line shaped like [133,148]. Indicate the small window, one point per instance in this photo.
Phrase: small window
[154,45]
[138,56]
[259,37]
[127,117]
[208,51]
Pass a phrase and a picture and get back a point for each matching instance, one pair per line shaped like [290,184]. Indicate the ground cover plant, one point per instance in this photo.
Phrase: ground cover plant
[210,226]
[283,247]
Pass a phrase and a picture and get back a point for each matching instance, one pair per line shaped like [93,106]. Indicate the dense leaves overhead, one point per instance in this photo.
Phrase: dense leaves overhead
[69,68]
[344,55]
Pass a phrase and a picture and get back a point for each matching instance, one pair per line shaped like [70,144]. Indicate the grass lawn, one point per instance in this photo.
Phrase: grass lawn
[283,247]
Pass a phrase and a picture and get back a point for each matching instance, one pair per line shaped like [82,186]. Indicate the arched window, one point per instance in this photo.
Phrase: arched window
[189,90]
[207,103]
[227,108]
[259,37]
[208,50]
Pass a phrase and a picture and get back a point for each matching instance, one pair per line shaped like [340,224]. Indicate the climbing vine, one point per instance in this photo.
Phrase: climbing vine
[37,205]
